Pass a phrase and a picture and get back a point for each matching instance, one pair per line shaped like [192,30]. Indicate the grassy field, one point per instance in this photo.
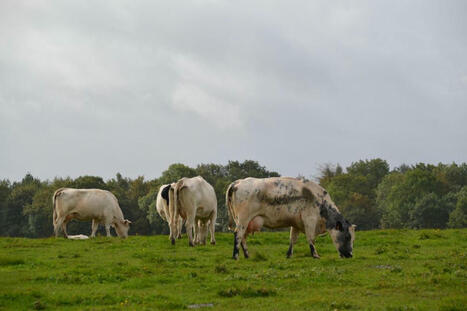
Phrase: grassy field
[391,270]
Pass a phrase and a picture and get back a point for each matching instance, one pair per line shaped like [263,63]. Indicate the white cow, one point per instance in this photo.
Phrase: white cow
[164,196]
[100,206]
[280,202]
[195,201]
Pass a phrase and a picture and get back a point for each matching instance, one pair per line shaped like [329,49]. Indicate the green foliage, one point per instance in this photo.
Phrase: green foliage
[420,196]
[387,201]
[367,193]
[89,182]
[175,172]
[327,172]
[391,270]
[20,196]
[458,217]
[355,191]
[374,171]
[431,211]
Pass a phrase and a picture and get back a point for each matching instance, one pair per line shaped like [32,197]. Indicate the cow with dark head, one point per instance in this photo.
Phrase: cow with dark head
[280,202]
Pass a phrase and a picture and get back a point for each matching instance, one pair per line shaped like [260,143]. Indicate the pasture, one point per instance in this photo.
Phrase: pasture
[391,270]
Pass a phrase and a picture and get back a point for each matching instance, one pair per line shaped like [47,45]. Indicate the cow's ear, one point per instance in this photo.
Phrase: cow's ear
[339,226]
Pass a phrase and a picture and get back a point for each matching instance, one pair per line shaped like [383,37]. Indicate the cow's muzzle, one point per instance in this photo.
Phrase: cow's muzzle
[346,255]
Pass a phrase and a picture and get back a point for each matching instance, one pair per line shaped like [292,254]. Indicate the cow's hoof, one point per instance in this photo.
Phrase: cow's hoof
[213,243]
[191,244]
[173,241]
[316,257]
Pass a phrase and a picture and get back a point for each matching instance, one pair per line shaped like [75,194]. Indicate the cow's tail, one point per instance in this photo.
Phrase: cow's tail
[174,205]
[54,205]
[229,197]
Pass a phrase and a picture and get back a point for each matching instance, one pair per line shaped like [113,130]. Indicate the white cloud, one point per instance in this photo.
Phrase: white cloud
[190,98]
[212,94]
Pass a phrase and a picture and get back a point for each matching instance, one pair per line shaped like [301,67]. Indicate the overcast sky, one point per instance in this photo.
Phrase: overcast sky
[100,87]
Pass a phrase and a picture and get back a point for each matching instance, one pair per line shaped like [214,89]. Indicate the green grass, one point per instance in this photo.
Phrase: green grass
[391,270]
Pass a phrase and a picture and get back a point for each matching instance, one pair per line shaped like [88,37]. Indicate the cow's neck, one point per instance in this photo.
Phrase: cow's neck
[330,214]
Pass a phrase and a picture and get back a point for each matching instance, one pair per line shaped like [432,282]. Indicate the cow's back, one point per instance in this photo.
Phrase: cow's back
[280,201]
[88,204]
[278,190]
[197,193]
[198,190]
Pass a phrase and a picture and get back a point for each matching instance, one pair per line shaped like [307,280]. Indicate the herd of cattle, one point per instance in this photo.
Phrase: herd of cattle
[252,203]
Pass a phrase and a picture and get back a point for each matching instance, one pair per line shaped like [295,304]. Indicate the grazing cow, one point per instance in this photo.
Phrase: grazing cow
[162,205]
[280,202]
[100,206]
[195,201]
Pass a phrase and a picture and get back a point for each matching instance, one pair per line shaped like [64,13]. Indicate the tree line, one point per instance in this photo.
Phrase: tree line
[367,192]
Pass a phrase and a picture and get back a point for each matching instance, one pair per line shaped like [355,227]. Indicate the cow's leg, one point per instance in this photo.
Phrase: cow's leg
[94,227]
[64,223]
[212,227]
[293,239]
[107,230]
[238,237]
[204,231]
[235,249]
[244,246]
[180,224]
[201,237]
[189,223]
[310,232]
[58,226]
[175,230]
[196,230]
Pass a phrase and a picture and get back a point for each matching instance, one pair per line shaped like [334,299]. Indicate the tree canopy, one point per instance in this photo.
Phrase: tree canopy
[367,192]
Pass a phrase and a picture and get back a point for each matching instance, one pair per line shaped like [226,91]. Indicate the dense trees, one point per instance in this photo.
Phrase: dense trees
[419,196]
[355,191]
[368,193]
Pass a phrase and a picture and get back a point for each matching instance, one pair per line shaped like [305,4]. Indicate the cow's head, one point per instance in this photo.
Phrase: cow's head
[341,231]
[343,235]
[122,227]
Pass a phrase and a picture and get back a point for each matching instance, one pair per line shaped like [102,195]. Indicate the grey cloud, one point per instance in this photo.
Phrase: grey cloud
[115,86]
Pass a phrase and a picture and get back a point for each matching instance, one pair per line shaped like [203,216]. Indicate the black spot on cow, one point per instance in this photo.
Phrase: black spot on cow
[330,214]
[307,194]
[165,193]
[278,200]
[289,198]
